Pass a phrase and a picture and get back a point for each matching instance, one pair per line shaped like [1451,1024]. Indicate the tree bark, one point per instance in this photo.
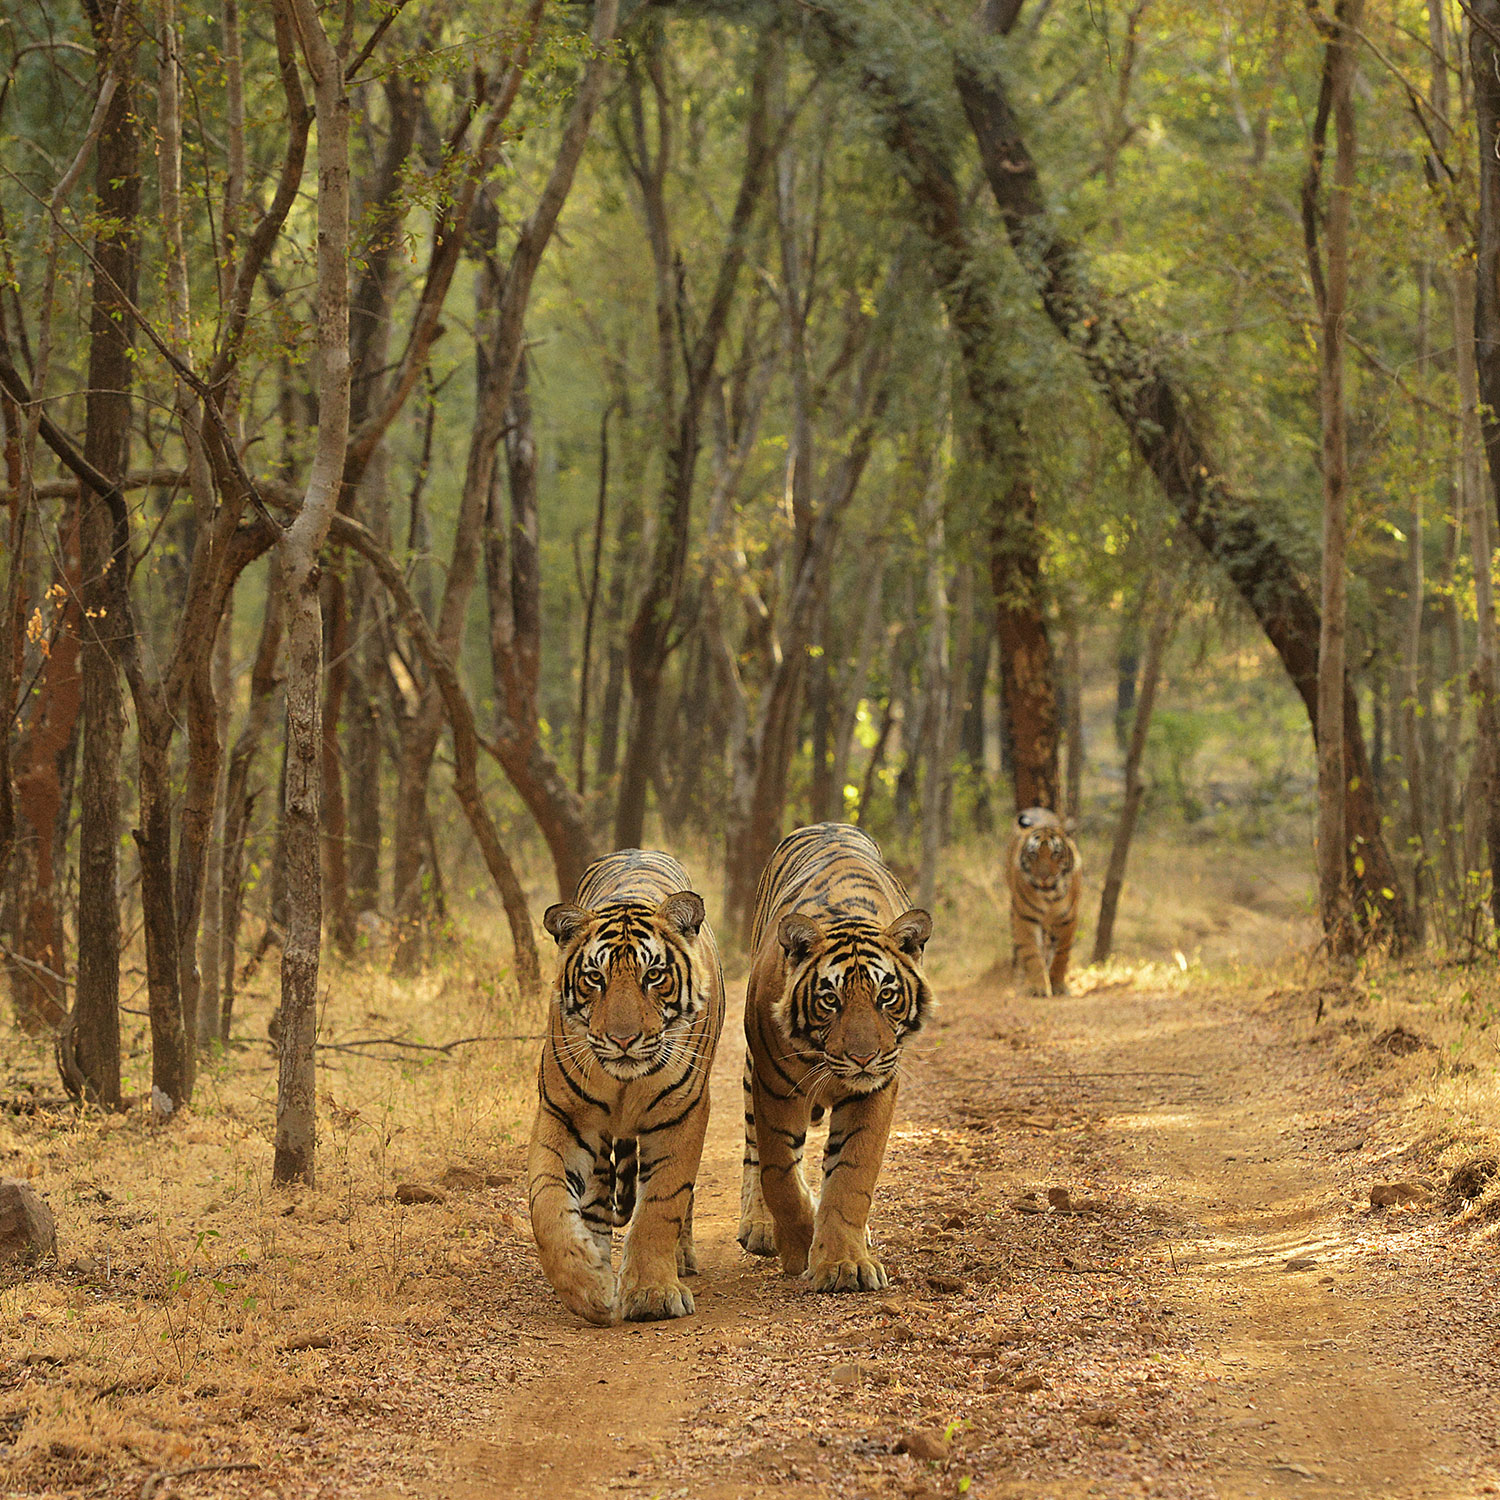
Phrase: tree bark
[296,1093]
[1331,285]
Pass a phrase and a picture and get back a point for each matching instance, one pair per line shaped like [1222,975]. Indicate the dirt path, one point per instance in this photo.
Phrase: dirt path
[1155,1344]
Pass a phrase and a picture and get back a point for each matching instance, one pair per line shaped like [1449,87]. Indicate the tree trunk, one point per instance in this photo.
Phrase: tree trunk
[239,798]
[95,1023]
[1332,290]
[296,1092]
[1073,713]
[335,822]
[936,683]
[1483,275]
[1114,878]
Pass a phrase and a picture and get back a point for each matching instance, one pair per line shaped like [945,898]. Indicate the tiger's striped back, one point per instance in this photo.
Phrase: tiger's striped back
[831,867]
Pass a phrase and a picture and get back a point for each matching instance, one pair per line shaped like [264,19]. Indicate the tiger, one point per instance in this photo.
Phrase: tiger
[622,1087]
[1044,873]
[836,986]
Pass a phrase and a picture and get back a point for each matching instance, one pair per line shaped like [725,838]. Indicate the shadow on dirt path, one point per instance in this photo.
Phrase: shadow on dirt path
[1214,1310]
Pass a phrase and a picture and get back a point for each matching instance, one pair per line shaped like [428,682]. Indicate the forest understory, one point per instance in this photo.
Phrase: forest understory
[1213,1308]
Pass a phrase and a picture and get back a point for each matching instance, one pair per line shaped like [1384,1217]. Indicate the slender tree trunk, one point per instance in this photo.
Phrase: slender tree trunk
[1157,639]
[1481,279]
[296,1093]
[211,941]
[335,829]
[239,798]
[1073,713]
[1333,301]
[95,1021]
[936,684]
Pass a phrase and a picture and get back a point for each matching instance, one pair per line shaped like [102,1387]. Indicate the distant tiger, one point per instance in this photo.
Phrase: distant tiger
[1043,872]
[836,986]
[623,1084]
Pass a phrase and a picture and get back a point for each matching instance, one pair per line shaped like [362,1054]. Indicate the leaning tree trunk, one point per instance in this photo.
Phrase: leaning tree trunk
[296,1094]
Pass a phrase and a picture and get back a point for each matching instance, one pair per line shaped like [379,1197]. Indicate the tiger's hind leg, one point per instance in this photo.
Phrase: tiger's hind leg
[756,1233]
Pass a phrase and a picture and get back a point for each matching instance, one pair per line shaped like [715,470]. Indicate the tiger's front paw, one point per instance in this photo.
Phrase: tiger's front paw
[649,1303]
[856,1273]
[757,1236]
[586,1287]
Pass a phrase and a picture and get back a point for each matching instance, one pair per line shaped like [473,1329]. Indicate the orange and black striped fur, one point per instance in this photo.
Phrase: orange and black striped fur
[836,986]
[635,1017]
[1044,873]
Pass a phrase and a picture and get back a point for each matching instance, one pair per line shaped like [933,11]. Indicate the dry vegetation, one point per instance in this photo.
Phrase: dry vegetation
[197,1317]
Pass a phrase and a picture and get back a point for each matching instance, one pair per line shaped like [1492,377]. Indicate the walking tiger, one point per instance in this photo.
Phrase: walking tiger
[1044,874]
[836,986]
[623,1088]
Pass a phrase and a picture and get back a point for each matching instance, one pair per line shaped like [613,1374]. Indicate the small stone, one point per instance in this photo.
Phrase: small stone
[1086,1206]
[28,1232]
[1098,1416]
[922,1442]
[1027,1205]
[954,1221]
[83,1265]
[846,1374]
[415,1192]
[901,1333]
[892,1309]
[1027,1383]
[1300,1263]
[462,1179]
[941,1282]
[1058,1198]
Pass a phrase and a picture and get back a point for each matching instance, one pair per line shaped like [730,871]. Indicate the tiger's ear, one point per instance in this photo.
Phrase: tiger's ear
[910,931]
[798,935]
[565,921]
[683,910]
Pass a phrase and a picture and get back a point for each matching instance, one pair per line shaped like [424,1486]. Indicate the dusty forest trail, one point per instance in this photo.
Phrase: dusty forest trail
[1157,1342]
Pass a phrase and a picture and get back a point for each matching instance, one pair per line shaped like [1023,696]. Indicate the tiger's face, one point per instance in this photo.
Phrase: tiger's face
[1046,858]
[854,993]
[627,990]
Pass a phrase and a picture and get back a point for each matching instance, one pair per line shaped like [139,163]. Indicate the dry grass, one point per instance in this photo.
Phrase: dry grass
[163,1335]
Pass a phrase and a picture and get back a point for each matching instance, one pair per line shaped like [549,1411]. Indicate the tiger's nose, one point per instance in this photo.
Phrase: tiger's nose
[863,1060]
[624,1040]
